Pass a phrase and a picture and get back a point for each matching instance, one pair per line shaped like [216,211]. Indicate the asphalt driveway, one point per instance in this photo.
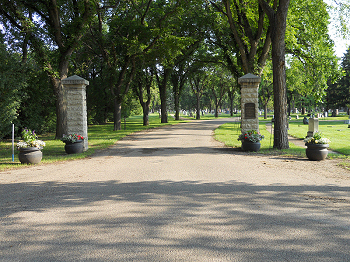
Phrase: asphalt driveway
[176,194]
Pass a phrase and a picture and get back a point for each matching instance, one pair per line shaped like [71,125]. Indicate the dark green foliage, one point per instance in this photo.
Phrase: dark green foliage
[38,106]
[26,98]
[131,106]
[338,94]
[12,85]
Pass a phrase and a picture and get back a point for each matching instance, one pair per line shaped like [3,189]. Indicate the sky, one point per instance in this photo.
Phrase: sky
[341,44]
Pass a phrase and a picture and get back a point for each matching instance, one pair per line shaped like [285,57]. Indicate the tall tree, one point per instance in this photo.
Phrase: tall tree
[162,76]
[178,80]
[219,81]
[142,87]
[183,66]
[182,35]
[53,29]
[311,59]
[249,30]
[139,30]
[278,24]
[121,34]
[198,83]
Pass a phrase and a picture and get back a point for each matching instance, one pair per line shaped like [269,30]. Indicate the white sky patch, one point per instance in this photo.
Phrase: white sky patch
[341,44]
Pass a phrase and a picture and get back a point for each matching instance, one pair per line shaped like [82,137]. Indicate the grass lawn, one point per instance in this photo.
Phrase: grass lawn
[332,127]
[100,137]
[336,131]
[103,136]
[229,132]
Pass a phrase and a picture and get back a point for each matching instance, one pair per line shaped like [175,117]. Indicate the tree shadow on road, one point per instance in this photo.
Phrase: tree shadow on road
[173,221]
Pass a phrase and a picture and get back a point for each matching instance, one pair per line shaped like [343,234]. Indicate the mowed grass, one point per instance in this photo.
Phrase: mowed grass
[333,128]
[228,134]
[100,137]
[336,131]
[103,136]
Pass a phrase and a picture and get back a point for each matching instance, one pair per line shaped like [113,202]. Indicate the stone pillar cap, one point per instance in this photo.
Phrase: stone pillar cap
[75,80]
[249,78]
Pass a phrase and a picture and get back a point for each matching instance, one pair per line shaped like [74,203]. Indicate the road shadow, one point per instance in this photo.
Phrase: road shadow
[173,221]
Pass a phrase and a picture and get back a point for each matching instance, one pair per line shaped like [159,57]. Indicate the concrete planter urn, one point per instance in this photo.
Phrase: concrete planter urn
[74,143]
[30,147]
[251,146]
[251,140]
[316,152]
[75,147]
[317,147]
[30,155]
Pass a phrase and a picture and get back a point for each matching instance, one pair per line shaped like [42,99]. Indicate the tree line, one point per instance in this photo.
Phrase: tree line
[155,49]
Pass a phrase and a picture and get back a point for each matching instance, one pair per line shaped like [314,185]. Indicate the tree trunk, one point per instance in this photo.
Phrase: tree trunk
[145,109]
[289,106]
[138,89]
[265,111]
[231,97]
[279,76]
[117,114]
[61,109]
[216,108]
[163,96]
[61,100]
[198,107]
[278,28]
[177,105]
[163,107]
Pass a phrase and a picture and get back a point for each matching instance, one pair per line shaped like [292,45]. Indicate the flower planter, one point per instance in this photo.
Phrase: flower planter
[30,155]
[250,146]
[74,148]
[316,152]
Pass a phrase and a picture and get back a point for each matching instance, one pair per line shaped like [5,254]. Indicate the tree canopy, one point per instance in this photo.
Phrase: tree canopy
[128,48]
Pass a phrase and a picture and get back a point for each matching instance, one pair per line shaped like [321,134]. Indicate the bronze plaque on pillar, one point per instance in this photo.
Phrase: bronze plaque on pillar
[249,111]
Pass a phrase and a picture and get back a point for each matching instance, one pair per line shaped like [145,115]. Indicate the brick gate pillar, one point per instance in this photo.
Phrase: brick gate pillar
[76,106]
[249,102]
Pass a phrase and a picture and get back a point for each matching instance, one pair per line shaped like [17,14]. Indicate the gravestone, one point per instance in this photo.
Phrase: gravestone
[313,127]
[249,102]
[305,121]
[76,106]
[347,122]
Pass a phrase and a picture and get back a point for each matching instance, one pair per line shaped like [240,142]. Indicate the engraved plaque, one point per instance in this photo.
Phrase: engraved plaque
[249,111]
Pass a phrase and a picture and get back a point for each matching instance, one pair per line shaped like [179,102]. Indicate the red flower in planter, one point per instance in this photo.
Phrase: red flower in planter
[72,138]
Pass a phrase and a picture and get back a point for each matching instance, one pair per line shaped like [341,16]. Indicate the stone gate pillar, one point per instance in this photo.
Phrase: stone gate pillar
[249,102]
[75,87]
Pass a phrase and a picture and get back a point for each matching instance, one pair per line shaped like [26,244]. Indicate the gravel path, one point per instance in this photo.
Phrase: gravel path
[176,194]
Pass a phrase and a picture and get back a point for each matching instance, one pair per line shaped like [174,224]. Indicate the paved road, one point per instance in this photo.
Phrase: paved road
[175,194]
